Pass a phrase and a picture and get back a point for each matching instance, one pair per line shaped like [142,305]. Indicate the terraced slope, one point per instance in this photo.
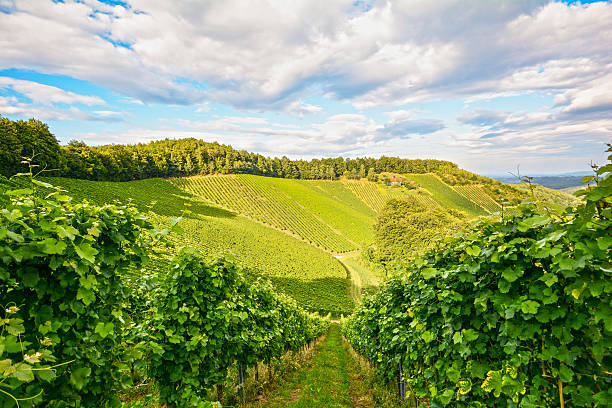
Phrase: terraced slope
[478,195]
[445,195]
[371,194]
[336,222]
[375,195]
[314,278]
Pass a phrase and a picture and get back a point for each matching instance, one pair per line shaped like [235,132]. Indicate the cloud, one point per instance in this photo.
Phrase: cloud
[299,108]
[76,39]
[46,94]
[388,53]
[483,117]
[592,97]
[338,134]
[406,128]
[10,106]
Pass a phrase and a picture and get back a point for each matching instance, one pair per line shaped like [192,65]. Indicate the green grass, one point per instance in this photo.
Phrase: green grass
[477,194]
[445,195]
[325,383]
[336,222]
[314,278]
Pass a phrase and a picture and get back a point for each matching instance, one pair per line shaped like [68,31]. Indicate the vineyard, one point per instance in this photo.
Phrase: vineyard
[515,313]
[303,208]
[369,193]
[445,195]
[76,329]
[477,195]
[312,277]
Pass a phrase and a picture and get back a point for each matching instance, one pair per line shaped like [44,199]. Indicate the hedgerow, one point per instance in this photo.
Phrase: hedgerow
[516,314]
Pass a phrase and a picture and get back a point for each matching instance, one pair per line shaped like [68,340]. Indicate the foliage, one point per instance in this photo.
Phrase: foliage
[23,366]
[516,314]
[406,228]
[207,317]
[61,264]
[22,138]
[184,157]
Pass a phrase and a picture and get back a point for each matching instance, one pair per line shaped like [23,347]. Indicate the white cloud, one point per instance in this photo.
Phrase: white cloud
[46,94]
[300,108]
[594,96]
[265,54]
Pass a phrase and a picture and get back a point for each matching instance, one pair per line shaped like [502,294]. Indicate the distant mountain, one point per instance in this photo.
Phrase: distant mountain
[556,182]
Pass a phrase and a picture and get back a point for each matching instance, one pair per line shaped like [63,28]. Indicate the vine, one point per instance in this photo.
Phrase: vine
[517,313]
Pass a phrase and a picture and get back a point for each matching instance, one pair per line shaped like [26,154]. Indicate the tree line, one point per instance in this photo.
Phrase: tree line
[176,158]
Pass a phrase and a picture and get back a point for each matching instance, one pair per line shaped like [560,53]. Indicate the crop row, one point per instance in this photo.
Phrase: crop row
[369,193]
[311,276]
[267,205]
[445,195]
[476,194]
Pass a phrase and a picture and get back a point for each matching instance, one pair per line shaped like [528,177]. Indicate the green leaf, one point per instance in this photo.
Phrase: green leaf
[493,383]
[42,183]
[604,242]
[80,377]
[88,282]
[530,307]
[85,251]
[565,373]
[46,375]
[427,336]
[470,335]
[549,279]
[23,372]
[104,329]
[86,295]
[14,236]
[30,279]
[473,250]
[429,273]
[511,275]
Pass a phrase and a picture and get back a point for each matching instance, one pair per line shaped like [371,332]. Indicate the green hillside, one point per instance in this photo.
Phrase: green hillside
[478,195]
[314,278]
[445,195]
[322,213]
[282,228]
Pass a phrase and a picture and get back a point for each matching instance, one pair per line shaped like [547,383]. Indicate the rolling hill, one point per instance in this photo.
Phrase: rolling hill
[304,235]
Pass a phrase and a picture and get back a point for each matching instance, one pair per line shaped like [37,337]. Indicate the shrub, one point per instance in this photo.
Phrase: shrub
[517,313]
[61,264]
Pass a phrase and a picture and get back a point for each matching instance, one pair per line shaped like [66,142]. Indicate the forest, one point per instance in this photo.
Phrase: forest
[176,158]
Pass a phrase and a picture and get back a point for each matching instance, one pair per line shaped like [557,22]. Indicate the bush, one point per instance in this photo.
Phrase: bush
[61,264]
[207,317]
[516,314]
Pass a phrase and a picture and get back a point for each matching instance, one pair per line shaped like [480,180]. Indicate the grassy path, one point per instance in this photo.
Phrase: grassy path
[330,380]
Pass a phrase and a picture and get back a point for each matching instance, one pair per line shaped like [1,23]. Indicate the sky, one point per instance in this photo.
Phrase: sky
[490,85]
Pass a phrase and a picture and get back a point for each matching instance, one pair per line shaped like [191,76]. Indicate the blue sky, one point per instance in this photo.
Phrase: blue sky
[488,85]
